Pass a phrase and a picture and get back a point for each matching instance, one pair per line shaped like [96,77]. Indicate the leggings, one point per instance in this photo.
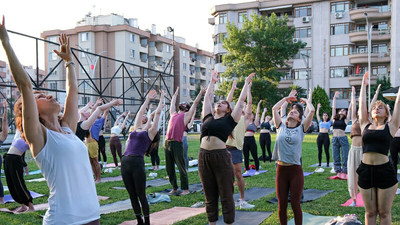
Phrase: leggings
[394,152]
[265,140]
[1,184]
[250,145]
[289,178]
[323,140]
[115,147]
[155,159]
[102,148]
[185,151]
[134,177]
[216,175]
[14,171]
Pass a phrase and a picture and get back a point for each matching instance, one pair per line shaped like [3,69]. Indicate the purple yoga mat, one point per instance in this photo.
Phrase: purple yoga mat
[8,198]
[252,172]
[307,173]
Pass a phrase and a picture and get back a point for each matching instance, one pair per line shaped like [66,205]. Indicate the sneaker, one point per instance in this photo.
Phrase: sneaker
[237,203]
[319,170]
[197,205]
[246,173]
[353,204]
[333,170]
[398,191]
[245,205]
[256,173]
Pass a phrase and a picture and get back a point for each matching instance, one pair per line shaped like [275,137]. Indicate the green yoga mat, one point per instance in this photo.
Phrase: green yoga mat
[313,220]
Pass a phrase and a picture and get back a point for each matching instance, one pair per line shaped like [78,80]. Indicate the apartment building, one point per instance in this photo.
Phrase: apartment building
[336,54]
[140,56]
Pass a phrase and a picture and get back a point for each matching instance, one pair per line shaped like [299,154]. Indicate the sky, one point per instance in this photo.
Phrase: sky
[189,18]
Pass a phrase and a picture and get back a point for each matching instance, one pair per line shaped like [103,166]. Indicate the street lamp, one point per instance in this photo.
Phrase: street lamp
[306,59]
[369,33]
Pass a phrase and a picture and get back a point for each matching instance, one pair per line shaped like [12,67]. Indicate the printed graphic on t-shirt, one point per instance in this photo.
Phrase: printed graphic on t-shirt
[289,134]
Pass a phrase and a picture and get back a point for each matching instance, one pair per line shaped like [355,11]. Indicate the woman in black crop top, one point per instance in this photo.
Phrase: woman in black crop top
[265,137]
[340,142]
[215,163]
[377,178]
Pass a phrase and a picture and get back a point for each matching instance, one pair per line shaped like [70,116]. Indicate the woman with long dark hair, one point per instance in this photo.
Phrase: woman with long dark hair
[377,179]
[215,163]
[132,164]
[287,154]
[323,135]
[58,152]
[265,136]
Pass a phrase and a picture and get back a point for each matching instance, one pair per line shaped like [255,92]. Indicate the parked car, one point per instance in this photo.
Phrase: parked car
[347,130]
[196,126]
[313,127]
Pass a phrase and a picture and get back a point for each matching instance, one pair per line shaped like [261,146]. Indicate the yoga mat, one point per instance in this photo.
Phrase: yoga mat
[157,182]
[247,217]
[398,177]
[35,172]
[8,198]
[254,193]
[323,165]
[307,173]
[161,167]
[36,180]
[336,177]
[191,169]
[193,188]
[359,201]
[108,179]
[5,188]
[119,188]
[116,207]
[309,195]
[170,216]
[112,165]
[309,219]
[252,172]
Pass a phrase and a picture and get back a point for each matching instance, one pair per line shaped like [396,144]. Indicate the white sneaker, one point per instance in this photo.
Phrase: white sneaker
[319,170]
[353,204]
[256,173]
[237,203]
[398,191]
[245,205]
[246,173]
[333,170]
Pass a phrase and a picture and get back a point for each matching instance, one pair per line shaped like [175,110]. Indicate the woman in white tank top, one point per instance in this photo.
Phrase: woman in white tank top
[61,156]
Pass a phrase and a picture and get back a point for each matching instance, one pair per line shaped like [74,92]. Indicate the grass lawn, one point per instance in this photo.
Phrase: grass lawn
[328,205]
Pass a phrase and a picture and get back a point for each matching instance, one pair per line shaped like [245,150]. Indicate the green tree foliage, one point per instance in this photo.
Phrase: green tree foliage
[385,84]
[320,96]
[262,45]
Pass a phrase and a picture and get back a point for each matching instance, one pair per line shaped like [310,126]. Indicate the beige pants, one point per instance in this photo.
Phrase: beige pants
[353,162]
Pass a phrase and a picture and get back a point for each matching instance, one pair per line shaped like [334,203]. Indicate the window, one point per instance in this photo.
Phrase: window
[184,79]
[132,37]
[340,6]
[54,72]
[303,51]
[341,50]
[143,42]
[302,11]
[344,93]
[132,53]
[84,36]
[131,69]
[53,85]
[223,18]
[379,70]
[219,38]
[184,52]
[192,93]
[339,72]
[85,100]
[302,32]
[145,87]
[241,16]
[83,53]
[143,57]
[184,92]
[168,48]
[52,56]
[192,81]
[152,44]
[184,66]
[300,74]
[53,39]
[341,28]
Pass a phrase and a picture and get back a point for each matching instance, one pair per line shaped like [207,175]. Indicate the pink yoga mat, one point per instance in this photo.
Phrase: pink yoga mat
[338,178]
[164,217]
[359,201]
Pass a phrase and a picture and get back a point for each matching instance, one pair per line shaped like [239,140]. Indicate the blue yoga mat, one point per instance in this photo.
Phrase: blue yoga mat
[35,172]
[8,198]
[252,172]
[307,173]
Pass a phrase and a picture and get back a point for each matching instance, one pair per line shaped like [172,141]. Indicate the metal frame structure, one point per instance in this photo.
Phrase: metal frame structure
[95,83]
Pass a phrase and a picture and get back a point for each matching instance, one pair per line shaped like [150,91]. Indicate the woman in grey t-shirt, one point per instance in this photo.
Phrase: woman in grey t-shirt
[287,153]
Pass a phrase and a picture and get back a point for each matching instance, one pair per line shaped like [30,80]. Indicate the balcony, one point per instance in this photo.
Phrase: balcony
[283,84]
[153,51]
[377,13]
[360,58]
[290,22]
[356,79]
[211,21]
[377,35]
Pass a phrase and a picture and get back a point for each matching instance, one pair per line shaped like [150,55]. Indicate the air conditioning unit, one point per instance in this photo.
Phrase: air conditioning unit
[339,15]
[306,19]
[295,40]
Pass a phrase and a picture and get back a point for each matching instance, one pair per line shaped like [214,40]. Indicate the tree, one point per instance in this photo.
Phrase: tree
[199,107]
[262,45]
[320,96]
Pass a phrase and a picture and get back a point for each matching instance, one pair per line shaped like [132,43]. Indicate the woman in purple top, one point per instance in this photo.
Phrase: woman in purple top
[132,164]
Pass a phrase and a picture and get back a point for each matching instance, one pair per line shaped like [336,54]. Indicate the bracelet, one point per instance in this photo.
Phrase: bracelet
[69,63]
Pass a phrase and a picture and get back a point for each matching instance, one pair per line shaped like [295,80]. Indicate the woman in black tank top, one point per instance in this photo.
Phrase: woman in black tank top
[377,178]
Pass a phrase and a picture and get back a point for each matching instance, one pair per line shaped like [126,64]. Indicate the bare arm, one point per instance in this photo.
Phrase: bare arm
[116,123]
[154,128]
[334,105]
[263,115]
[122,126]
[283,109]
[4,125]
[190,124]
[310,100]
[189,114]
[85,125]
[150,96]
[394,123]
[237,112]
[208,98]
[275,110]
[230,95]
[172,108]
[349,112]
[34,132]
[363,102]
[375,97]
[318,107]
[257,118]
[309,117]
[86,107]
[99,101]
[70,117]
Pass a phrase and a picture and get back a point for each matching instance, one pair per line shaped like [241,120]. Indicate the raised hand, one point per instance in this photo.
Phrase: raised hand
[203,90]
[293,93]
[378,89]
[234,85]
[65,51]
[337,93]
[3,32]
[152,94]
[318,106]
[99,101]
[259,103]
[265,110]
[215,76]
[365,78]
[248,79]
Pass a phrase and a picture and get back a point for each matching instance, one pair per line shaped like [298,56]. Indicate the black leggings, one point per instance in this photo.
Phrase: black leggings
[250,145]
[155,159]
[115,147]
[134,177]
[1,184]
[102,148]
[323,139]
[14,171]
[394,152]
[265,140]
